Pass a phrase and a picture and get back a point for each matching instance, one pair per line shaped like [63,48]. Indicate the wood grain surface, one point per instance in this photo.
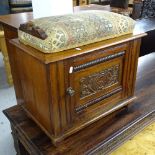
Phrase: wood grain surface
[109,133]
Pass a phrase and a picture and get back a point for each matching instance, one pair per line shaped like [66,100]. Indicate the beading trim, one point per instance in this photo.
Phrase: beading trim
[97,61]
[82,107]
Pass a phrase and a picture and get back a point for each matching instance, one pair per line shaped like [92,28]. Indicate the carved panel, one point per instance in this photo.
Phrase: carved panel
[94,101]
[98,81]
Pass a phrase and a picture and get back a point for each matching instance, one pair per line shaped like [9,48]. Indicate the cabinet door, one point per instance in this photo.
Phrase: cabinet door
[93,84]
[96,80]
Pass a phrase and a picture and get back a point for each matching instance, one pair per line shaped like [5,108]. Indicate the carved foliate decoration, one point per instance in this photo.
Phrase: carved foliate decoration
[96,100]
[98,81]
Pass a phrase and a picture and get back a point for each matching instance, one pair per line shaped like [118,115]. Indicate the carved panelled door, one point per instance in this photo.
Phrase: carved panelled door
[96,80]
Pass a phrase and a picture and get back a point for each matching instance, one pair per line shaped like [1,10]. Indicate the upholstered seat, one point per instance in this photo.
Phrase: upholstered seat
[69,31]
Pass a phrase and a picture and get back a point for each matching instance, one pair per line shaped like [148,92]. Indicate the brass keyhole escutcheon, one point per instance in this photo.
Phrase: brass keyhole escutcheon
[70,91]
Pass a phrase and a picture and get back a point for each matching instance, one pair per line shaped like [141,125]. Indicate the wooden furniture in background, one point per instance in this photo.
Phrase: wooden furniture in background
[100,2]
[146,25]
[80,2]
[74,3]
[137,9]
[83,2]
[29,139]
[10,25]
[126,12]
[120,4]
[3,49]
[18,6]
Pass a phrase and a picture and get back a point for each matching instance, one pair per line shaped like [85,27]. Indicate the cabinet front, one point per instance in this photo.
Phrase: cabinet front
[95,81]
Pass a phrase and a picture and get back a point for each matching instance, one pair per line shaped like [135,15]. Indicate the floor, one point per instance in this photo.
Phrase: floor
[7,99]
[141,144]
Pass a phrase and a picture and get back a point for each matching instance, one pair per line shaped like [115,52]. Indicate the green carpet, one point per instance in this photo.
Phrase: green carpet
[142,144]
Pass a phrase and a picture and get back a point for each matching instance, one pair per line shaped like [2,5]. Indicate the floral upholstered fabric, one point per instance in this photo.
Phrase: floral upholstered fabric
[78,29]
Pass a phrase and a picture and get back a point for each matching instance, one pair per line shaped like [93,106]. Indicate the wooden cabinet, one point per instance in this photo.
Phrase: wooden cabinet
[80,2]
[102,138]
[83,2]
[66,91]
[74,3]
[97,81]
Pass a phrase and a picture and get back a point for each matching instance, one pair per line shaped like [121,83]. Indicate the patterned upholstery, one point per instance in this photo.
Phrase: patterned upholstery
[74,30]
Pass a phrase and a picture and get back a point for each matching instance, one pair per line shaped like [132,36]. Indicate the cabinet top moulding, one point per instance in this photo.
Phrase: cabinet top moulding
[57,56]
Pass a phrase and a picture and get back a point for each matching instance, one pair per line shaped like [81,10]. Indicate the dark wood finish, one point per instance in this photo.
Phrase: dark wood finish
[14,20]
[56,89]
[119,4]
[30,28]
[101,2]
[109,132]
[137,9]
[92,7]
[147,25]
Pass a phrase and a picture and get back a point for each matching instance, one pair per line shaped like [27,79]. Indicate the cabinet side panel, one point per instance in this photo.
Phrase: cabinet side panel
[33,77]
[58,97]
[54,95]
[130,69]
[136,52]
[9,34]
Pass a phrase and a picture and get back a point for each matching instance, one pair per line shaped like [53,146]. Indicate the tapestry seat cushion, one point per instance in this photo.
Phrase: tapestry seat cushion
[20,3]
[70,31]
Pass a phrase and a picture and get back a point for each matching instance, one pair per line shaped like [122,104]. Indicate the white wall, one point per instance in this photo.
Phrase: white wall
[43,8]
